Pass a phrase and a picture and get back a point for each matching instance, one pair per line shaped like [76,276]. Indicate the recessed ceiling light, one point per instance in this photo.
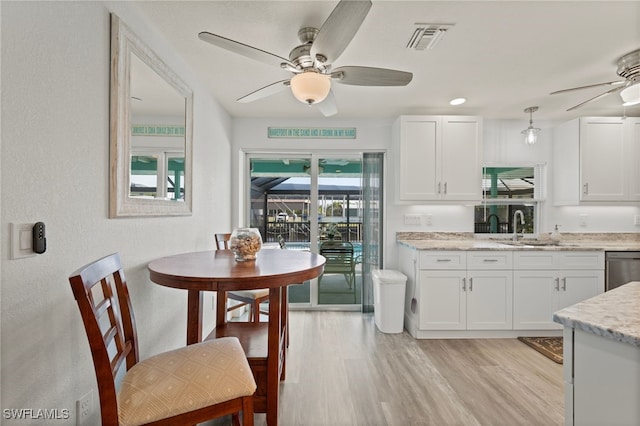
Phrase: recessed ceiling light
[457,101]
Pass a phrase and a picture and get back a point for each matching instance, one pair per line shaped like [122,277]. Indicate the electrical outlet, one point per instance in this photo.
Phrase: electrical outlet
[84,408]
[583,219]
[428,219]
[412,219]
[636,220]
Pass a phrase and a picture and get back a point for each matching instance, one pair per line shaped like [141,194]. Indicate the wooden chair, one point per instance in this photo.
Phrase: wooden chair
[252,298]
[184,386]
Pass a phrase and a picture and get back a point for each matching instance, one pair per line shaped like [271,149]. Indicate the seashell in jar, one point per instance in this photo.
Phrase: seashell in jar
[245,243]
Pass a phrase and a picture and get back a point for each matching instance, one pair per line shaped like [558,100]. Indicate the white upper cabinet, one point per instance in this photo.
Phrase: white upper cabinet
[596,159]
[440,158]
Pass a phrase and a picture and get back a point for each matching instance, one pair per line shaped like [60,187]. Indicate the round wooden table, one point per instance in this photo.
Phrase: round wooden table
[264,343]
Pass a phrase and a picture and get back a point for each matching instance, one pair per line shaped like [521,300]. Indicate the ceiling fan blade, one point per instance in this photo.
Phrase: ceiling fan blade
[328,106]
[265,91]
[609,83]
[368,76]
[244,49]
[339,28]
[601,95]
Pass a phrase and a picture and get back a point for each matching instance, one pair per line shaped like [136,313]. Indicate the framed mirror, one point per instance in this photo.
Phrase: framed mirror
[151,131]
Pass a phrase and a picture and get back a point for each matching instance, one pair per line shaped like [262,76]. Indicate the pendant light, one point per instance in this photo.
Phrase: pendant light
[530,133]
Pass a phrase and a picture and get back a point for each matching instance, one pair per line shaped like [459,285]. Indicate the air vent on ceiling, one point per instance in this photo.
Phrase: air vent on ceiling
[426,36]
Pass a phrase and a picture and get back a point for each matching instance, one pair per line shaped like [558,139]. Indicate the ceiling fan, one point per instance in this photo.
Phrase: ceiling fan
[629,88]
[310,62]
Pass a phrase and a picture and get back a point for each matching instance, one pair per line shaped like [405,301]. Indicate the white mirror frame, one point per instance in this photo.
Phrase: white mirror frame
[124,43]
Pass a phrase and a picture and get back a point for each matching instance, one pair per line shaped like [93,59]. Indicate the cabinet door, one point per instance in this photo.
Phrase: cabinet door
[578,285]
[442,303]
[602,159]
[461,158]
[489,300]
[419,166]
[535,296]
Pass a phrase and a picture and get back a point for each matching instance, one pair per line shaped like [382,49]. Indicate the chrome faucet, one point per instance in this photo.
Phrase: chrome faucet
[515,224]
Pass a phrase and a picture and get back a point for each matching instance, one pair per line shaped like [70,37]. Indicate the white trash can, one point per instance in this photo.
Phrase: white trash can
[389,287]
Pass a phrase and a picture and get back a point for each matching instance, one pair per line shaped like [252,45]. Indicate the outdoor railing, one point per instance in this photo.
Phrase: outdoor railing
[299,232]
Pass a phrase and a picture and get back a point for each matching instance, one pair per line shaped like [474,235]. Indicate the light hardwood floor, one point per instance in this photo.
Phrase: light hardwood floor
[341,370]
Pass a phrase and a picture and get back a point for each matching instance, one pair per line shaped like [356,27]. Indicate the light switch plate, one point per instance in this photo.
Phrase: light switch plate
[636,220]
[22,240]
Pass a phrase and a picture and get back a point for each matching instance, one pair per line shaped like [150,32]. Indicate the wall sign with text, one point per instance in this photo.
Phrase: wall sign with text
[312,132]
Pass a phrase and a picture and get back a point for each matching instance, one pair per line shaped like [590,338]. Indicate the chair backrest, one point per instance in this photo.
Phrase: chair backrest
[338,254]
[103,298]
[222,241]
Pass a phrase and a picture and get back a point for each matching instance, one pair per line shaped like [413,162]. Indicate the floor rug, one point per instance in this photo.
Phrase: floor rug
[551,347]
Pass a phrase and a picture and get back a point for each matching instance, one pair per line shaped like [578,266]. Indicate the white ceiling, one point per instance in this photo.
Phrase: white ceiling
[503,56]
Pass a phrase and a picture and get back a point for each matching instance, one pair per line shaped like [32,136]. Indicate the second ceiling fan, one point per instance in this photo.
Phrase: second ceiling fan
[629,88]
[310,62]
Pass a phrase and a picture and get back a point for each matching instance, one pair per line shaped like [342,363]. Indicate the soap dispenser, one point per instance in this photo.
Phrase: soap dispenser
[555,235]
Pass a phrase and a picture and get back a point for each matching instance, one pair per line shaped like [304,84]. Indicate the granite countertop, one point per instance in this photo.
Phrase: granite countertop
[614,314]
[467,241]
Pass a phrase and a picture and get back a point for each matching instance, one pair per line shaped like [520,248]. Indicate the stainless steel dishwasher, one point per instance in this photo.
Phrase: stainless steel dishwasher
[621,267]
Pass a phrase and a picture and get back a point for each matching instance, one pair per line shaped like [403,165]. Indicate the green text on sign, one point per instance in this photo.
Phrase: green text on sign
[312,132]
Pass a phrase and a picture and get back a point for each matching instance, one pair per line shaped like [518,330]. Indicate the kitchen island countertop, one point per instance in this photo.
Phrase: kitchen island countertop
[614,314]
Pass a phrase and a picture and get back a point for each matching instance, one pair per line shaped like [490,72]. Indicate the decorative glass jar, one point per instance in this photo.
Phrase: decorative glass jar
[245,243]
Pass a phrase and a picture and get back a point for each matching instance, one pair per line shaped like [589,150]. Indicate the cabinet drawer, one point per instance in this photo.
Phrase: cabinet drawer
[540,259]
[490,259]
[443,259]
[581,259]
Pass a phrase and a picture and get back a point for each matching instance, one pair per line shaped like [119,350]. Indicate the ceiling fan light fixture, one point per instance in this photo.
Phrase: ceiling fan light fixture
[631,95]
[310,87]
[530,133]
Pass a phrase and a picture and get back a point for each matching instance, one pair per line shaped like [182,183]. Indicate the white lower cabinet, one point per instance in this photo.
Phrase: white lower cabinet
[545,287]
[489,300]
[478,292]
[459,299]
[443,300]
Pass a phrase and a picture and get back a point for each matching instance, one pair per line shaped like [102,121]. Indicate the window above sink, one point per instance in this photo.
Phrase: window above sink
[507,188]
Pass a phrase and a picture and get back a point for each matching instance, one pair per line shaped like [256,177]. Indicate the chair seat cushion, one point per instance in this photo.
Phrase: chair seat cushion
[252,294]
[183,380]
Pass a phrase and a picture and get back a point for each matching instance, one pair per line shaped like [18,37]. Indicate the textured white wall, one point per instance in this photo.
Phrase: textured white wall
[55,169]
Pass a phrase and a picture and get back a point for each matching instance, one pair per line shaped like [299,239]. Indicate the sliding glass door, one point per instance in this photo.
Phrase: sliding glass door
[314,202]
